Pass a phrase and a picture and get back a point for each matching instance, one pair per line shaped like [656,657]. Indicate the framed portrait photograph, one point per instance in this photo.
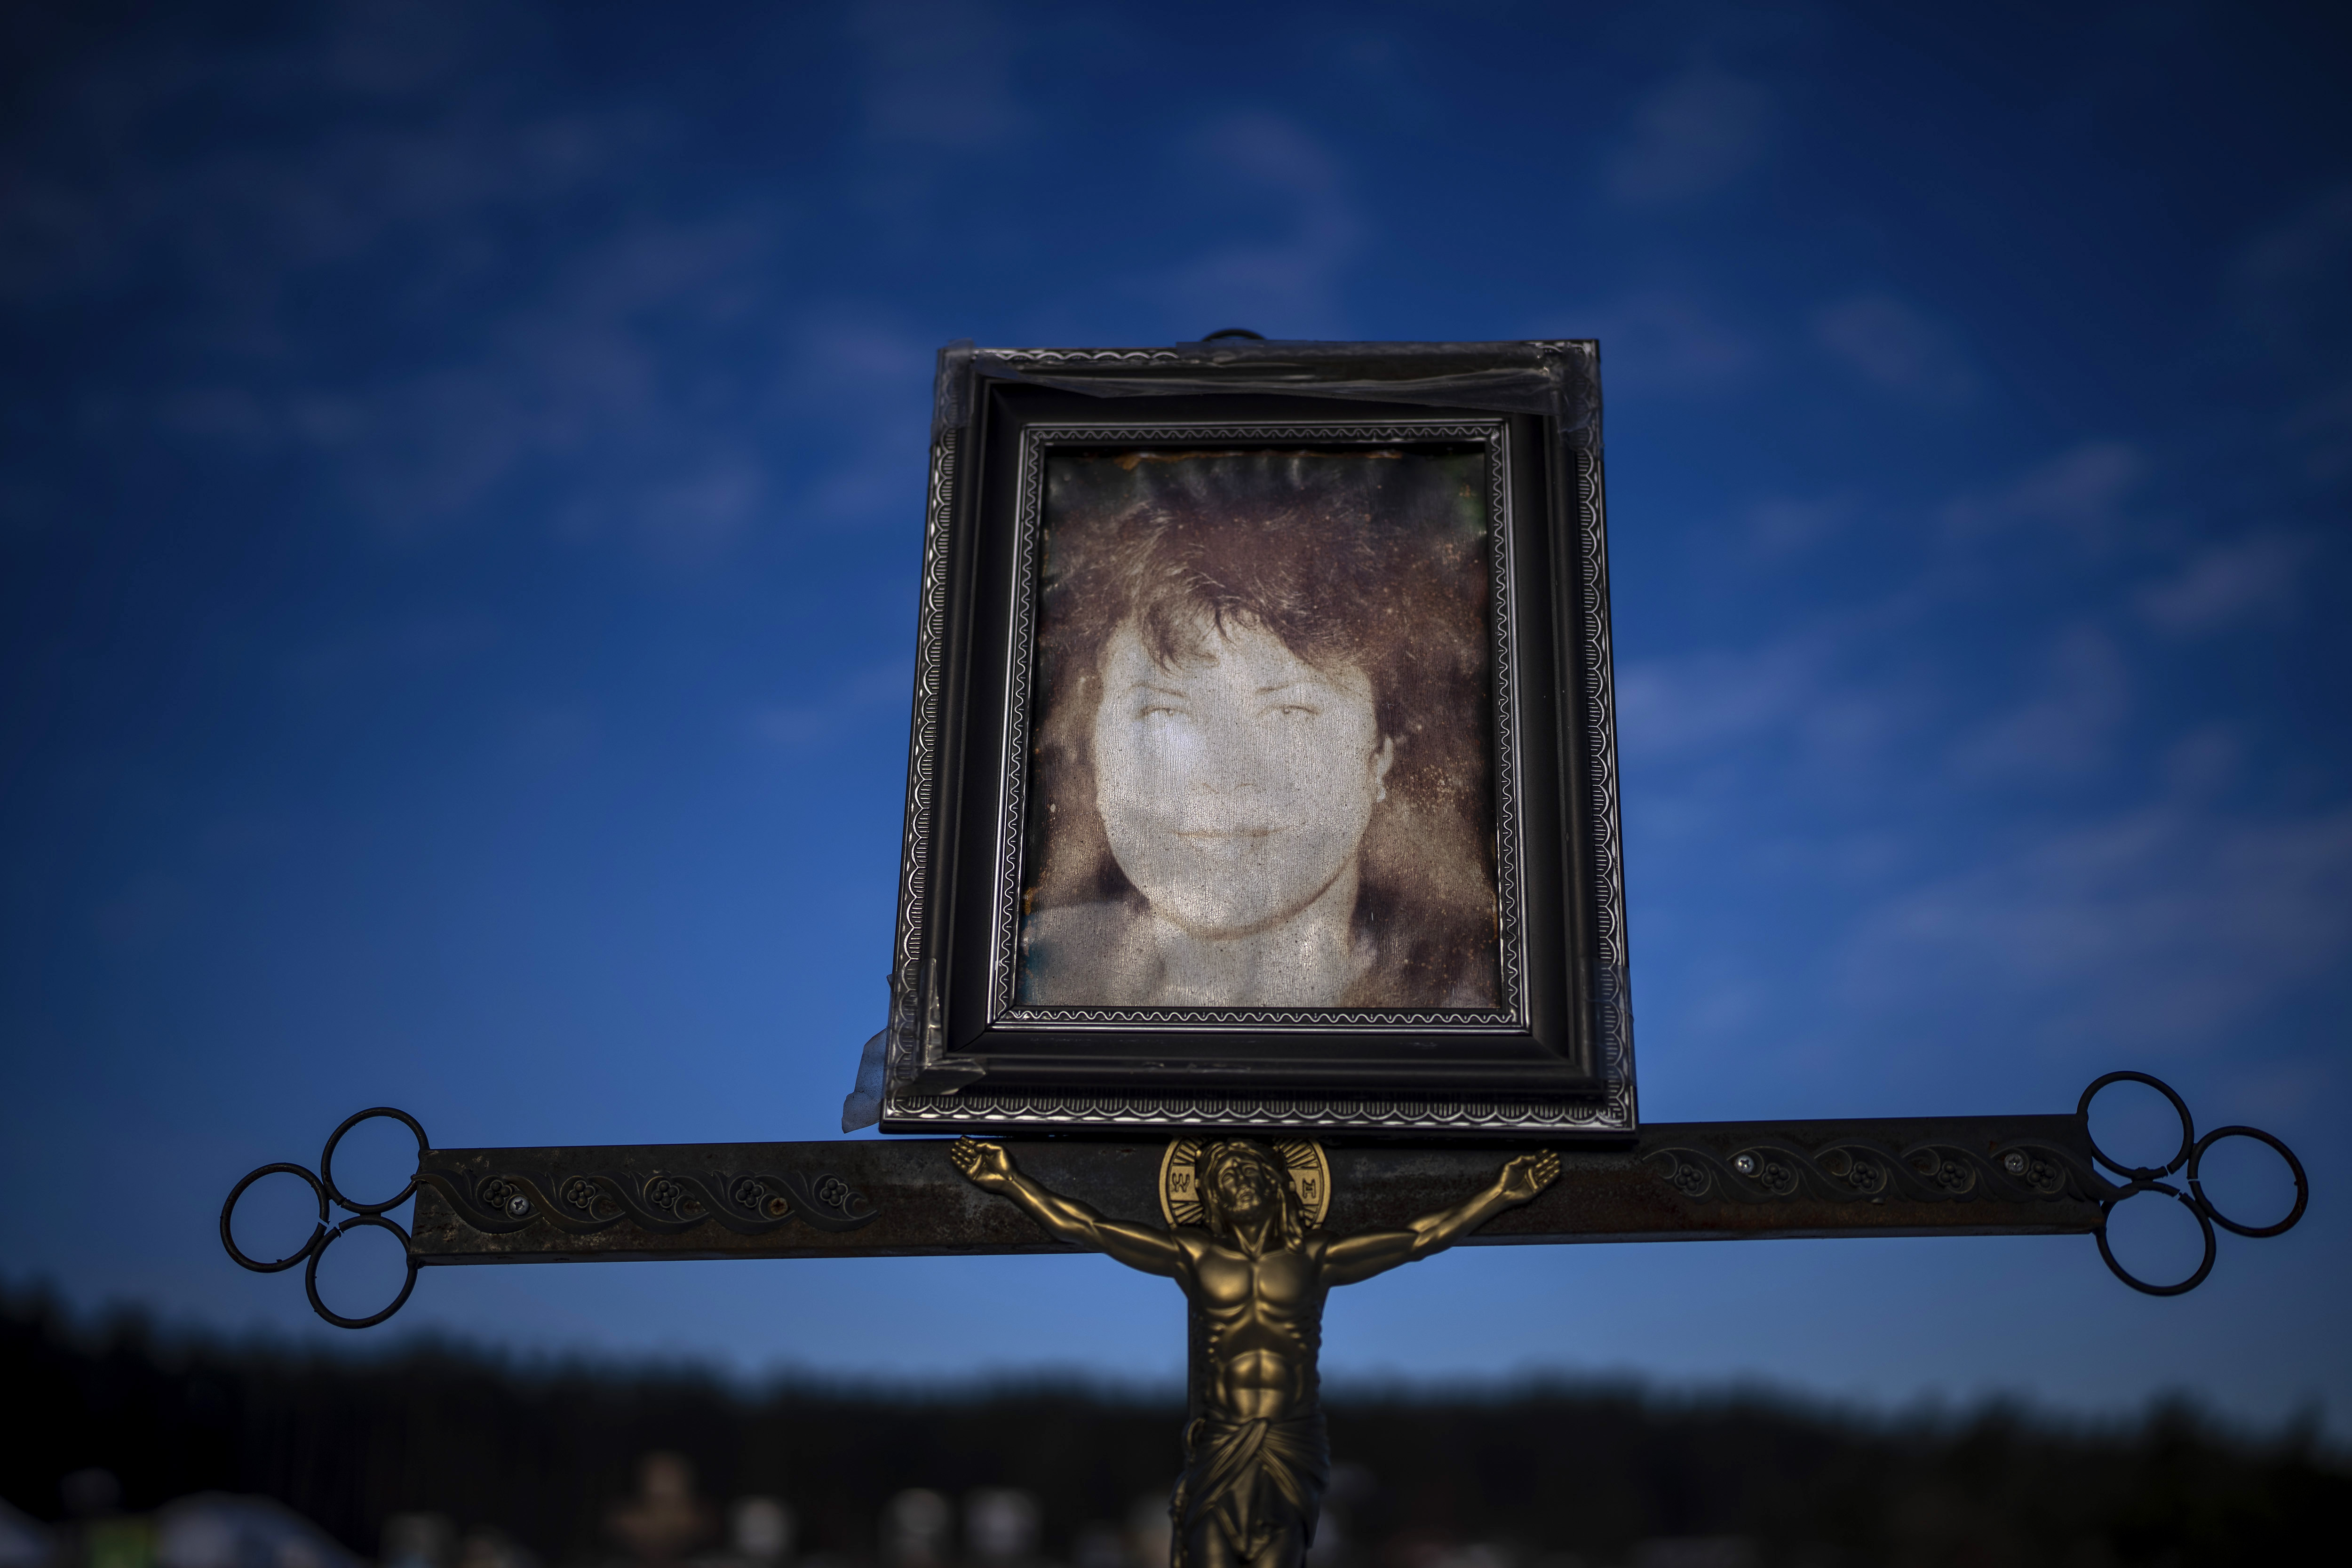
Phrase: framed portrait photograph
[1263,763]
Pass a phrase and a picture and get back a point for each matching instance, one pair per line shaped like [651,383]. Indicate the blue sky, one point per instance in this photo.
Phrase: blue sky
[460,473]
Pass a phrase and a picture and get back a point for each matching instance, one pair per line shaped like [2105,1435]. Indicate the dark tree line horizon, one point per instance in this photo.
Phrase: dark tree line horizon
[541,1454]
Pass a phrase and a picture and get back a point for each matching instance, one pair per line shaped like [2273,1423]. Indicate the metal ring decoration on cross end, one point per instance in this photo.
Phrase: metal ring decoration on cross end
[228,1210]
[2138,1173]
[322,1187]
[2205,1226]
[2294,1165]
[327,1158]
[2139,1179]
[310,1274]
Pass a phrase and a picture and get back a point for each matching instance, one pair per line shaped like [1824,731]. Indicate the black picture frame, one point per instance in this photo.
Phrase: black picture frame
[1547,1049]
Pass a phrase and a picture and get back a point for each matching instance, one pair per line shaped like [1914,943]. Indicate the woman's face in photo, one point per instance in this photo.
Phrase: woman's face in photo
[1235,785]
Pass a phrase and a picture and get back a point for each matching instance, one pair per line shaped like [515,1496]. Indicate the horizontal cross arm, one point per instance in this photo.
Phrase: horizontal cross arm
[1694,1181]
[1702,1181]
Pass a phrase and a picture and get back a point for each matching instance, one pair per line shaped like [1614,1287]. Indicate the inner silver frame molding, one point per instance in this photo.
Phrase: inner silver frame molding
[1037,442]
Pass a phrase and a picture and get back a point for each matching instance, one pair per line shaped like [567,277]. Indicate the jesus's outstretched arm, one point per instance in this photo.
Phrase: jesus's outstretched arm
[1371,1252]
[990,1169]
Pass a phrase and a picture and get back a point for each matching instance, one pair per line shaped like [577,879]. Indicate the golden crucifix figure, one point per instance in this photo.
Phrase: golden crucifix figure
[1256,1460]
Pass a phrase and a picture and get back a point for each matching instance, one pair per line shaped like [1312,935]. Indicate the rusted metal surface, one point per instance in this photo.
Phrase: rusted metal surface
[1679,1182]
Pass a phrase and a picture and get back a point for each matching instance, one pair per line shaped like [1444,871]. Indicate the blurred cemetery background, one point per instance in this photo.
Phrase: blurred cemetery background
[120,1449]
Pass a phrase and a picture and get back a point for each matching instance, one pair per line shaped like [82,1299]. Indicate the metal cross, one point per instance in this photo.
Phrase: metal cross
[1705,1180]
[1256,1233]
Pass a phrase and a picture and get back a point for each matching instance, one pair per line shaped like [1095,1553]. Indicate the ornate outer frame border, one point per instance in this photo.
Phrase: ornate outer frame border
[1465,1115]
[915,1031]
[1612,986]
[908,1035]
[1492,437]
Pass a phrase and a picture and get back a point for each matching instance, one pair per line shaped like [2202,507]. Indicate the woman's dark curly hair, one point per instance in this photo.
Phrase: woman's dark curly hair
[1374,560]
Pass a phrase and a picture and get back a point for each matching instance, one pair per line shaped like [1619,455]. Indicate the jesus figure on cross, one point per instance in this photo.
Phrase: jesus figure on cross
[1256,1460]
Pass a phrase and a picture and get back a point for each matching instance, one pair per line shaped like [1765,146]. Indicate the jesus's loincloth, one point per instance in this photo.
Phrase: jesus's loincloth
[1251,1480]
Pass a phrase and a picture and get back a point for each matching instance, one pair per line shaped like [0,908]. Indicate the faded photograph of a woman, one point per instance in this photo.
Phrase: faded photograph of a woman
[1263,761]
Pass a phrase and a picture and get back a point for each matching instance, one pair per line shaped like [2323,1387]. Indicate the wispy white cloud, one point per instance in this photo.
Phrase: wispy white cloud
[807,722]
[2068,720]
[858,349]
[940,73]
[1809,693]
[557,737]
[2287,282]
[428,188]
[869,376]
[1691,137]
[2231,584]
[656,449]
[2203,762]
[243,218]
[1287,282]
[1700,703]
[2285,299]
[693,514]
[396,650]
[1896,347]
[2320,428]
[2169,927]
[2083,491]
[1787,525]
[1661,340]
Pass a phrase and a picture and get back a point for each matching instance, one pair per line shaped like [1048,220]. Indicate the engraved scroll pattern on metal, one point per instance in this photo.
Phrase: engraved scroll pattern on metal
[575,1202]
[1850,1171]
[922,761]
[1020,666]
[666,1203]
[2020,1171]
[1612,986]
